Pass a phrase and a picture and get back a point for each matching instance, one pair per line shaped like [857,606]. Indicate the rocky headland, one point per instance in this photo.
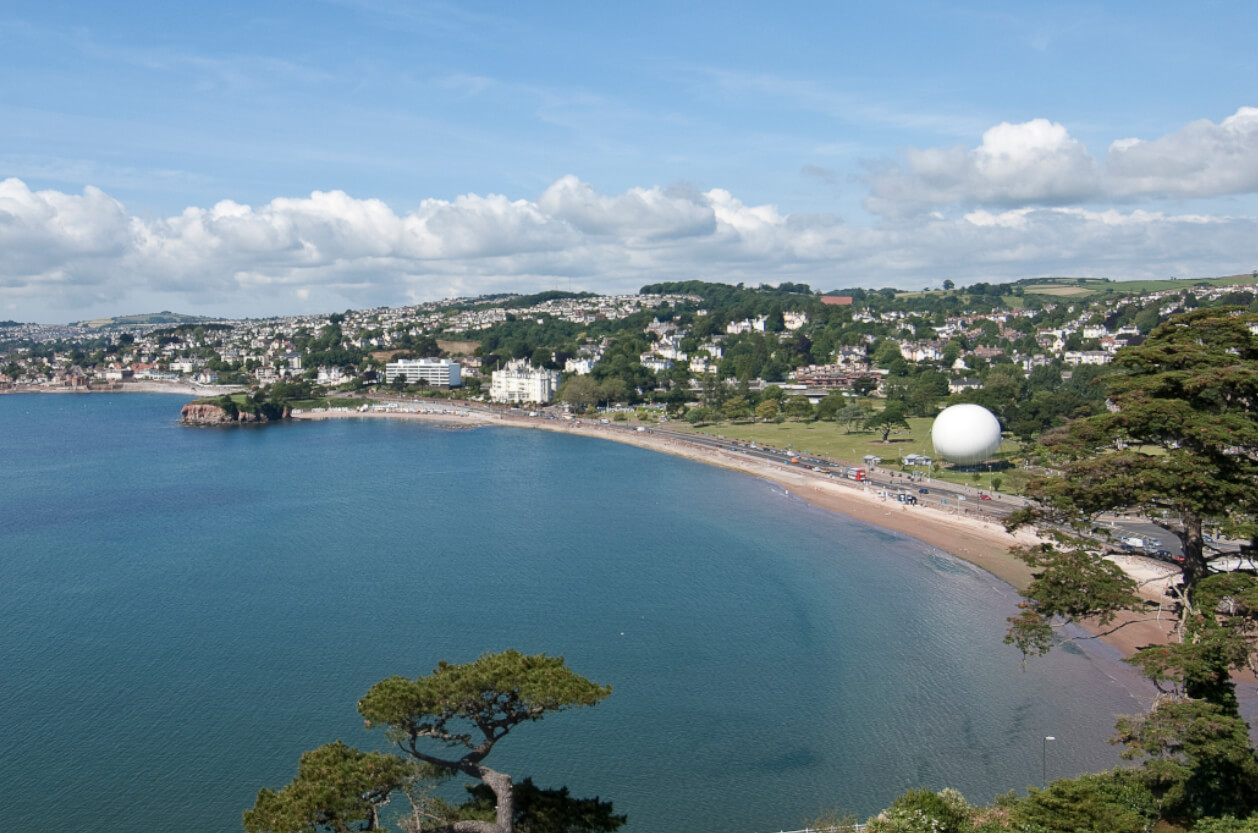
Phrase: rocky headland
[208,413]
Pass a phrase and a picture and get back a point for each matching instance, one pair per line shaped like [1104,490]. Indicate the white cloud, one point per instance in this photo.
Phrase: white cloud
[646,213]
[1201,160]
[1033,162]
[1038,163]
[60,246]
[331,250]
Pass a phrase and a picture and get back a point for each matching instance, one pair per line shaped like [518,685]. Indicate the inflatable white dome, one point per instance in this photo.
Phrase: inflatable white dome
[965,434]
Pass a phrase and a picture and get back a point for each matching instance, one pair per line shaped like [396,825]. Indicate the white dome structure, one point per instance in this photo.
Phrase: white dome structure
[965,434]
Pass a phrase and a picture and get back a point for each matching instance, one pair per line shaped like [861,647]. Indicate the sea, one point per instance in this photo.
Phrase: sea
[183,611]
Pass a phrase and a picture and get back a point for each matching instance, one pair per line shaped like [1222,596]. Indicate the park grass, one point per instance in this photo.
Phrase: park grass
[829,439]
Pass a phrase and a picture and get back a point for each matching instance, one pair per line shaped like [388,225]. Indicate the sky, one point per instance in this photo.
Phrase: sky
[269,158]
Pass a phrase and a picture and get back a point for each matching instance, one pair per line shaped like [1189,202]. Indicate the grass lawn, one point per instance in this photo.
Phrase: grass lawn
[829,439]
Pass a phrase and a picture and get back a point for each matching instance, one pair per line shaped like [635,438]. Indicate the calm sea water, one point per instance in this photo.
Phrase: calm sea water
[184,611]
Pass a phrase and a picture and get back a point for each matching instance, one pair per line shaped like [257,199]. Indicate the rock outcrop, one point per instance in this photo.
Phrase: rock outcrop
[202,413]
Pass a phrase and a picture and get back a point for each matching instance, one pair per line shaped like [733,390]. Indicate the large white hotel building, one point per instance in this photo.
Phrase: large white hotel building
[439,373]
[518,382]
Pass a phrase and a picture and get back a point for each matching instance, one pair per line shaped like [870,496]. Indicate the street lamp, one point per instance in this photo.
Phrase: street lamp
[1044,761]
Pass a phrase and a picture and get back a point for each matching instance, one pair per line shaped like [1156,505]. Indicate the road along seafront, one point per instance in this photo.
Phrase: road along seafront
[982,542]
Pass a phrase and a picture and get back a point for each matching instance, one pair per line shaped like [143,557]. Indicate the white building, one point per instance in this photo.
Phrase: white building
[1077,357]
[518,382]
[581,367]
[746,326]
[439,373]
[654,363]
[333,376]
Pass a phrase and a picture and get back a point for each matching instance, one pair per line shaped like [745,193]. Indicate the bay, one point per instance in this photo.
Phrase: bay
[184,611]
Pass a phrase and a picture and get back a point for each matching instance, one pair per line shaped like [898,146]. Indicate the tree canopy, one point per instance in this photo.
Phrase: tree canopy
[444,722]
[890,418]
[1178,444]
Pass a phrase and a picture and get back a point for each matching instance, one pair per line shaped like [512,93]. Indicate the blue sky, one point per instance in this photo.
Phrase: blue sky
[266,158]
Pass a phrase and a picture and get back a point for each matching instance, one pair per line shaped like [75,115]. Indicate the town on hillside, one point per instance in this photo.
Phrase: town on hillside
[1029,351]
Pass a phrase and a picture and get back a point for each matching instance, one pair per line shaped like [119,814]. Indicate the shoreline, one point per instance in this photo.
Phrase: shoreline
[983,544]
[171,388]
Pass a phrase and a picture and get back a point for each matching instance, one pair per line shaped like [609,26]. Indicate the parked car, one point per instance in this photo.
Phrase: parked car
[984,497]
[923,491]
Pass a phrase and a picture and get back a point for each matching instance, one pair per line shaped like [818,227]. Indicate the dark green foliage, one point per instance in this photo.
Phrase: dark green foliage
[1198,758]
[1182,440]
[467,708]
[540,810]
[863,385]
[475,704]
[1218,624]
[1069,583]
[1227,824]
[337,788]
[1112,802]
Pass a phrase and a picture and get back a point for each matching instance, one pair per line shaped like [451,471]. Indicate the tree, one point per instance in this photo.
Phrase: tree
[852,414]
[863,385]
[337,787]
[1181,442]
[1179,446]
[798,407]
[694,416]
[579,391]
[1198,758]
[767,410]
[829,406]
[948,284]
[891,418]
[613,389]
[736,407]
[1109,802]
[465,708]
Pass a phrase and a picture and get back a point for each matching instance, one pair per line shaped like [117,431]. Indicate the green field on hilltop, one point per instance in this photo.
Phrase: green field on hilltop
[829,439]
[1089,287]
[1071,287]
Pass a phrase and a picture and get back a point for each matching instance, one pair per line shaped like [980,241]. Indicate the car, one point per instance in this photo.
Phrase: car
[923,491]
[984,497]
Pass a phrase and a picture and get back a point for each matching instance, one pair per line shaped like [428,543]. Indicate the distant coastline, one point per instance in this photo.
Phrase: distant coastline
[172,388]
